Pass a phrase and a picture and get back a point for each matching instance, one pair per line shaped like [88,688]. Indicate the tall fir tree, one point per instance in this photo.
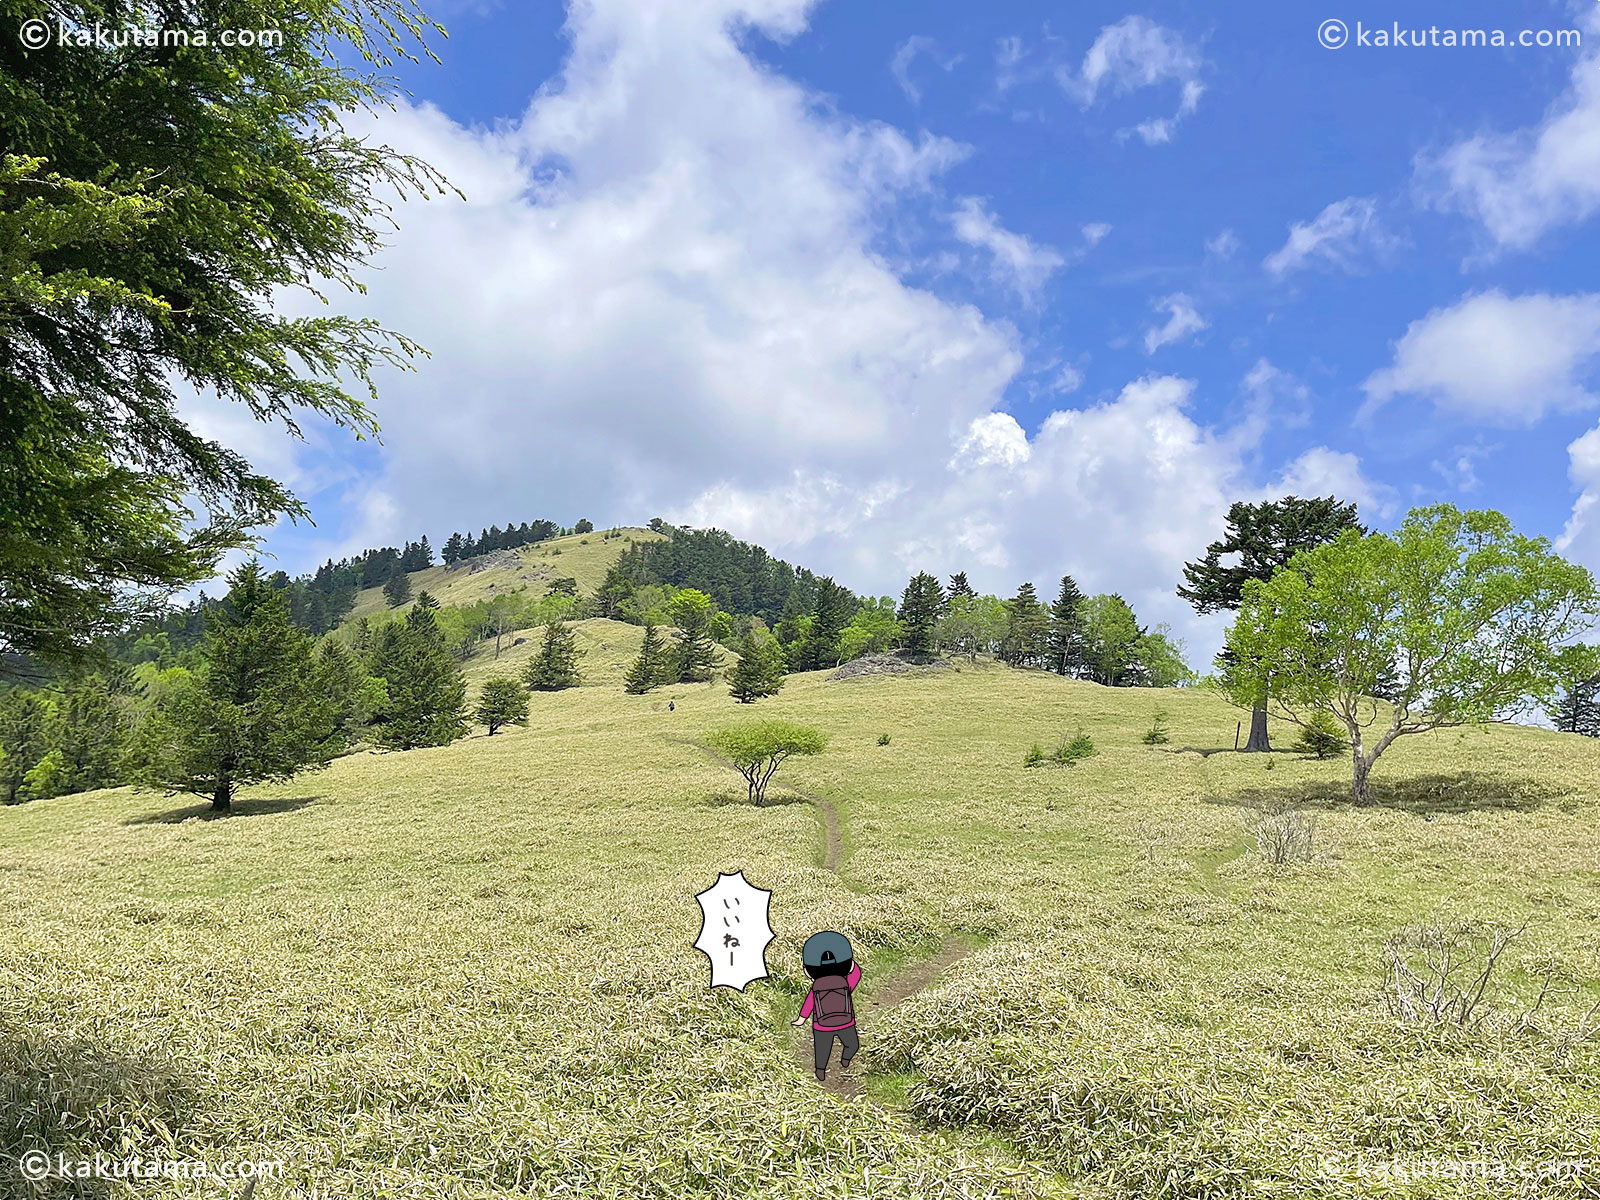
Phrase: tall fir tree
[694,658]
[424,695]
[254,713]
[920,606]
[648,668]
[1027,628]
[556,665]
[1065,642]
[503,701]
[1264,537]
[960,588]
[26,736]
[1578,709]
[759,671]
[452,549]
[398,588]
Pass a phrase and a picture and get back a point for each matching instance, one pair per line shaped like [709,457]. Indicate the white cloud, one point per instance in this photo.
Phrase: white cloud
[1346,235]
[1022,264]
[1324,472]
[906,54]
[1580,540]
[1067,380]
[1095,232]
[1521,185]
[1138,53]
[1182,322]
[992,440]
[1222,247]
[1497,358]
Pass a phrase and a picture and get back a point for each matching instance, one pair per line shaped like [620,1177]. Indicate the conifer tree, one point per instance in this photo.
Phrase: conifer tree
[425,600]
[452,549]
[1027,628]
[759,671]
[1065,640]
[556,665]
[424,694]
[959,587]
[920,606]
[26,733]
[254,713]
[694,657]
[1578,709]
[646,671]
[504,701]
[398,589]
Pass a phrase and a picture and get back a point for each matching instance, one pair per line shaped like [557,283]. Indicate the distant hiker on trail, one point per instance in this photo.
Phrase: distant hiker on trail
[830,961]
[671,705]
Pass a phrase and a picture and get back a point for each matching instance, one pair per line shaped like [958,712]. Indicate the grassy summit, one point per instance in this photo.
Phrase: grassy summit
[467,971]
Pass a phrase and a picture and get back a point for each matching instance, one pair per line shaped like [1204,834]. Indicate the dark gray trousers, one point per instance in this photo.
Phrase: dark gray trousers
[822,1041]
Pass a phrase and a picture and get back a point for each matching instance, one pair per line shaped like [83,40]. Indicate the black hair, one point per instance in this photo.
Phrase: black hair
[838,968]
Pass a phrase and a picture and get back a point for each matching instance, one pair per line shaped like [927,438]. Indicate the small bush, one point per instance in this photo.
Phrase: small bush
[883,739]
[1157,735]
[1034,757]
[1286,837]
[1067,751]
[1323,736]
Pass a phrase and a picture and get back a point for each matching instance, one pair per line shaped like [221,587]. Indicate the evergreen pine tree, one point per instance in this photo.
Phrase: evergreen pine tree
[26,736]
[694,658]
[1578,710]
[959,587]
[94,733]
[452,549]
[1027,628]
[253,714]
[398,589]
[556,665]
[1065,640]
[425,696]
[759,671]
[424,554]
[503,701]
[646,671]
[920,606]
[425,600]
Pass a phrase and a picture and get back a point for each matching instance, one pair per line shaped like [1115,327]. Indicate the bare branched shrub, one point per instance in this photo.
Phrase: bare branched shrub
[1287,837]
[1437,974]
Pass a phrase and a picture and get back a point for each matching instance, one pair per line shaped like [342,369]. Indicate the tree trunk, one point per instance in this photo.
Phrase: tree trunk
[1360,788]
[222,798]
[1258,732]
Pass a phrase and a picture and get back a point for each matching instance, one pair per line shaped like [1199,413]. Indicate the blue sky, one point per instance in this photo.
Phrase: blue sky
[1004,288]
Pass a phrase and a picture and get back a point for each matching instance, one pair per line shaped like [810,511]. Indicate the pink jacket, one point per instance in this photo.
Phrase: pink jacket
[805,1009]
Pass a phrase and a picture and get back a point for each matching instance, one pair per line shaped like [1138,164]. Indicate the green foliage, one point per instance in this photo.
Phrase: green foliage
[1157,734]
[555,667]
[1260,539]
[757,749]
[872,630]
[1067,751]
[760,669]
[152,205]
[1112,642]
[694,657]
[883,739]
[1475,614]
[253,713]
[1035,757]
[1322,736]
[1578,708]
[974,625]
[921,605]
[503,701]
[50,776]
[354,697]
[1064,642]
[27,731]
[1027,629]
[650,668]
[424,694]
[398,589]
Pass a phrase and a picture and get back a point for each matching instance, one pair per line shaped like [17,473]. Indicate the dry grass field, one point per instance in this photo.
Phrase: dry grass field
[467,973]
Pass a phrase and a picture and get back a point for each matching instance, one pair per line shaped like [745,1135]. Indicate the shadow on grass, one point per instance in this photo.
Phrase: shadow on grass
[1208,751]
[775,799]
[1420,795]
[69,1097]
[241,808]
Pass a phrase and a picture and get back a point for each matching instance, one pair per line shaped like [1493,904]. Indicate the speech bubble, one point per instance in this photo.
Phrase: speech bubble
[734,933]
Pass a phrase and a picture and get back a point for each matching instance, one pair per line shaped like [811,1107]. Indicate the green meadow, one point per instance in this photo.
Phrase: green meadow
[467,972]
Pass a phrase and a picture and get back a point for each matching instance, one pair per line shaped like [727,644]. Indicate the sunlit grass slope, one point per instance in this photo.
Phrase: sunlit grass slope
[585,557]
[467,972]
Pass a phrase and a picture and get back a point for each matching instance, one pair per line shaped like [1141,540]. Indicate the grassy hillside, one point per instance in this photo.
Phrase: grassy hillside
[467,972]
[606,649]
[585,557]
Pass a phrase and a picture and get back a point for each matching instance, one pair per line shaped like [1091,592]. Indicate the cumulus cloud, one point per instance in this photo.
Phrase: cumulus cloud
[1522,184]
[1183,322]
[1137,53]
[1324,472]
[1346,235]
[1580,540]
[1496,358]
[1017,261]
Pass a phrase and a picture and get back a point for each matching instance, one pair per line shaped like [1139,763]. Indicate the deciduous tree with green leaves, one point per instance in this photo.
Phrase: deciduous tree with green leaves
[1259,540]
[758,748]
[1465,619]
[152,205]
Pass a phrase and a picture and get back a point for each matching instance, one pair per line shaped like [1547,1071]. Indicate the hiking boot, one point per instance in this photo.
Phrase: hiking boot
[845,1062]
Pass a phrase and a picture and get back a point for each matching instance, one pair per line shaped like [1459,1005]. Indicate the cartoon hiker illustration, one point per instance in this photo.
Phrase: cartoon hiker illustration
[830,1004]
